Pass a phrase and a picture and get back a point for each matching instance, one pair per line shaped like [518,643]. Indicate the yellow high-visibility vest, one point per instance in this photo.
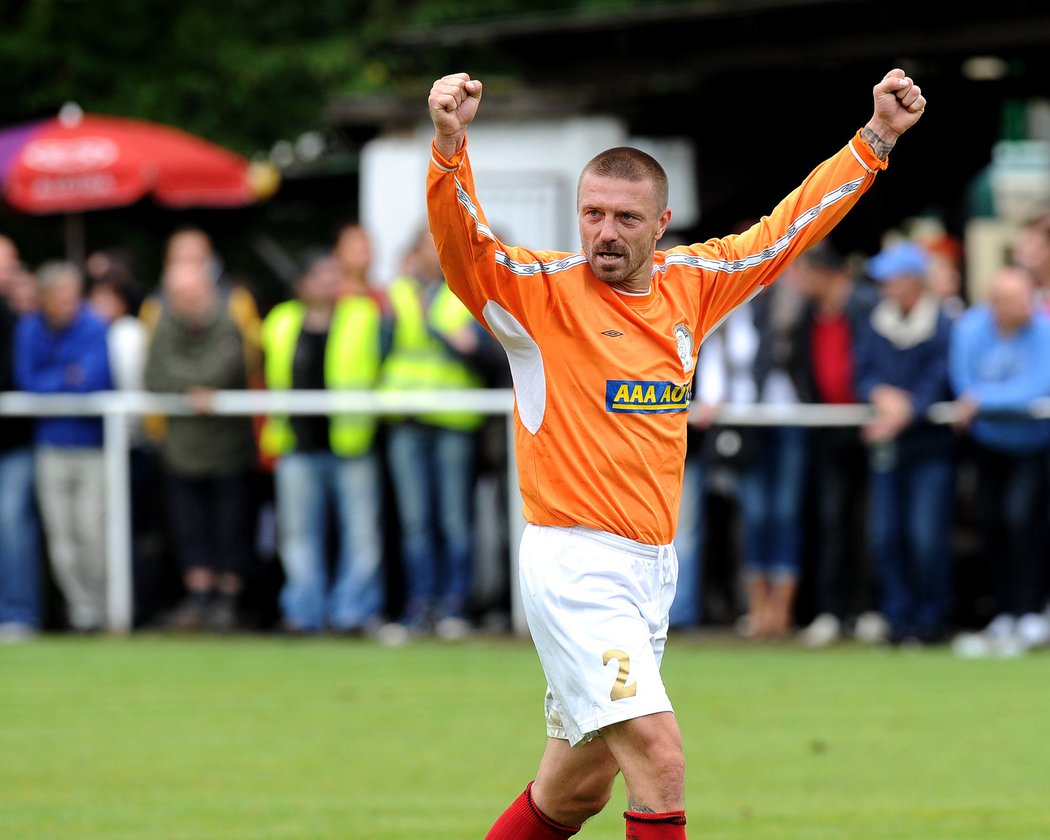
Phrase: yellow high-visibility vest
[351,362]
[418,360]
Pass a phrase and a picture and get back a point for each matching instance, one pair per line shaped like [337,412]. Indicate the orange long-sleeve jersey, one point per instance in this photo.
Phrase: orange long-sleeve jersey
[602,379]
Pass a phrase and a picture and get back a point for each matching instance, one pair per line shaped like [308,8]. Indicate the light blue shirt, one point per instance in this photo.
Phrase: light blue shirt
[1002,373]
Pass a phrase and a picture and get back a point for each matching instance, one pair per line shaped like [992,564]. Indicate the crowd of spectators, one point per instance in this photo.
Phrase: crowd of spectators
[899,531]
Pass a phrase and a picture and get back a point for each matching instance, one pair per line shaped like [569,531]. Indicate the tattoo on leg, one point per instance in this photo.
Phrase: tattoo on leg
[638,808]
[878,145]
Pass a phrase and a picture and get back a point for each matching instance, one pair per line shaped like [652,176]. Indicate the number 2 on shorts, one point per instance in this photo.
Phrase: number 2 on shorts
[620,689]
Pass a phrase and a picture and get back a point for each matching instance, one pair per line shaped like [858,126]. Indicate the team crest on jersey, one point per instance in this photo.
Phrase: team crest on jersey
[683,339]
[626,396]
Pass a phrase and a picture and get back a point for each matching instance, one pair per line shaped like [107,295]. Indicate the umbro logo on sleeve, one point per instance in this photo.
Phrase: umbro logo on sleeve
[612,333]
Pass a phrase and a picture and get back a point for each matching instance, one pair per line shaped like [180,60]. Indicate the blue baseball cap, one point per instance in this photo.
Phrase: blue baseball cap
[900,258]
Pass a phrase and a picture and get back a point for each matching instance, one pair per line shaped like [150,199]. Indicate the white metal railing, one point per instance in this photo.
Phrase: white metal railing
[116,407]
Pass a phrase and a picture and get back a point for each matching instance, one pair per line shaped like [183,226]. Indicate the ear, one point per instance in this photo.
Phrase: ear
[661,227]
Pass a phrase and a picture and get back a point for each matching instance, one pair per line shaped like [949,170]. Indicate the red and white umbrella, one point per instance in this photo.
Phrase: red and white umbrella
[77,162]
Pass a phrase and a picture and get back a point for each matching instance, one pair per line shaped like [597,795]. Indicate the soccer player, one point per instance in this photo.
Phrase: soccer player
[602,346]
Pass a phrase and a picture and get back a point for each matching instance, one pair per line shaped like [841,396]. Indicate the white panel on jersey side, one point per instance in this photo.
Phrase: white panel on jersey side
[526,364]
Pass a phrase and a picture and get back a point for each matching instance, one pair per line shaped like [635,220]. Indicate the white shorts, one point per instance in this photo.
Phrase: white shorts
[597,607]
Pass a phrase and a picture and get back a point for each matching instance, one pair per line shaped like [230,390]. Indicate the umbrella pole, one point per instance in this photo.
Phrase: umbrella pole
[75,238]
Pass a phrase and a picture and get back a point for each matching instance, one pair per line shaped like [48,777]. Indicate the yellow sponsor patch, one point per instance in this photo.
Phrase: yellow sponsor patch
[646,397]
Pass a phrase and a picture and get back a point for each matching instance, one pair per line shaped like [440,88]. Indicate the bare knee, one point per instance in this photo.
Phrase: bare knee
[574,800]
[649,752]
[665,774]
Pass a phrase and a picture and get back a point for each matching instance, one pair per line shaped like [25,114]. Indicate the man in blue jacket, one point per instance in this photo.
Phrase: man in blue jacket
[62,349]
[901,370]
[999,364]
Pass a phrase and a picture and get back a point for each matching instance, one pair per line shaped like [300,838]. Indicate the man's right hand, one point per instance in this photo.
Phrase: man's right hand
[453,104]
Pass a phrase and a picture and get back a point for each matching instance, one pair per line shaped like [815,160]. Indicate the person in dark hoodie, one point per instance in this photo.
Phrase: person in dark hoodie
[822,361]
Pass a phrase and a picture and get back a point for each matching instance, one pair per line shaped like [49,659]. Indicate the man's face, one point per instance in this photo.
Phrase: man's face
[620,224]
[904,290]
[320,285]
[1012,299]
[190,292]
[60,302]
[106,303]
[354,250]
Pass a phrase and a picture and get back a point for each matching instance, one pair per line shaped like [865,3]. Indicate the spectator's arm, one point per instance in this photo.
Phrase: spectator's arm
[1014,393]
[933,386]
[960,351]
[866,373]
[92,371]
[31,372]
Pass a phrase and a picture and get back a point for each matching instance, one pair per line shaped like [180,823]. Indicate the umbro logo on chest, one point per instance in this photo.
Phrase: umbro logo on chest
[612,333]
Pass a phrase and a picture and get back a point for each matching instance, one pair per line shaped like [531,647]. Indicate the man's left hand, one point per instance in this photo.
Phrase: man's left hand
[898,105]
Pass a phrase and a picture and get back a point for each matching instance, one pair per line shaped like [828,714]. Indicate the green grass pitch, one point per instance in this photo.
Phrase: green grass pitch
[273,739]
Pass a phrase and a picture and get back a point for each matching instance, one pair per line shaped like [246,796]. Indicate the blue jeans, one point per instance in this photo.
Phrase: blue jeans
[306,487]
[19,540]
[433,474]
[687,608]
[770,498]
[910,519]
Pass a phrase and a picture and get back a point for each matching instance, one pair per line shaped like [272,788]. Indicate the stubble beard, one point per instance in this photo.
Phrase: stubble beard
[612,274]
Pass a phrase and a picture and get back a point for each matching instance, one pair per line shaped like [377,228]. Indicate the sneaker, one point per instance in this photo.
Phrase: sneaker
[452,628]
[1033,630]
[972,646]
[1002,626]
[14,632]
[393,634]
[871,628]
[992,641]
[826,629]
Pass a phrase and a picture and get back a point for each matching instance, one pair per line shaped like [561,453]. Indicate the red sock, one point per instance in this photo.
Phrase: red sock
[669,826]
[524,821]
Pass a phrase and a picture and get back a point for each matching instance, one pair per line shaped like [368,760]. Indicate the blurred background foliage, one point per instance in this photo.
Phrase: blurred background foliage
[243,73]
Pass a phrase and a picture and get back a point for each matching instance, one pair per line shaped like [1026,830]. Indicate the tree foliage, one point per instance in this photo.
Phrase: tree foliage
[241,72]
[244,73]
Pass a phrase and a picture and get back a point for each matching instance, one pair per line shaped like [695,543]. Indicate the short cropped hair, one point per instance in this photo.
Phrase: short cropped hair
[54,271]
[629,164]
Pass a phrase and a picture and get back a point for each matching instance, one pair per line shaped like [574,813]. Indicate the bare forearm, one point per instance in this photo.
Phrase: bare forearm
[447,146]
[880,138]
